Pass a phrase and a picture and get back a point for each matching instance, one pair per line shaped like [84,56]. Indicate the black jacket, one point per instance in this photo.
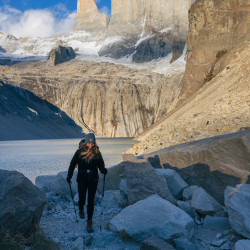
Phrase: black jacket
[87,168]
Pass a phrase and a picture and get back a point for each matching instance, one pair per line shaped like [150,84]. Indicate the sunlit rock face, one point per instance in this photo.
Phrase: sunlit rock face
[216,27]
[146,29]
[89,18]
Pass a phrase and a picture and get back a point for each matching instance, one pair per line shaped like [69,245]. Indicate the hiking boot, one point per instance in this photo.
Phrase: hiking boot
[90,226]
[81,213]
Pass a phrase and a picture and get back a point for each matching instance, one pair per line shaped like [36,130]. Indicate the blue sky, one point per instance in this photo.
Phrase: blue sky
[41,18]
[42,4]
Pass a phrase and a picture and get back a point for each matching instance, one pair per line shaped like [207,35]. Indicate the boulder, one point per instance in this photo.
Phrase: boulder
[188,192]
[175,183]
[212,163]
[219,223]
[123,187]
[137,180]
[21,203]
[78,244]
[56,183]
[242,245]
[184,244]
[204,203]
[113,178]
[114,198]
[237,201]
[155,243]
[153,216]
[61,54]
[143,181]
[186,207]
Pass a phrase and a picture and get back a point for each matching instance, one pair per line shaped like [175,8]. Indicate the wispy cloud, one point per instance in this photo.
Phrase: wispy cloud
[36,23]
[105,10]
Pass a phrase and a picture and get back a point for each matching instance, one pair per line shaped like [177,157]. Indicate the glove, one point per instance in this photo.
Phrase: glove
[105,171]
[68,180]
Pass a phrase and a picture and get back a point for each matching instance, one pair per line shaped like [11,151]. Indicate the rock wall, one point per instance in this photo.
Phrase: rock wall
[113,100]
[136,27]
[215,28]
[88,17]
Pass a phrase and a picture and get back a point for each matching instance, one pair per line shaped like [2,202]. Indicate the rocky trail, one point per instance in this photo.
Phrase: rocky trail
[58,223]
[145,205]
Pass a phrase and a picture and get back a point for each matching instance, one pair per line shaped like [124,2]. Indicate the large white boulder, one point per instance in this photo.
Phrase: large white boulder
[175,183]
[204,203]
[21,203]
[56,183]
[153,216]
[237,202]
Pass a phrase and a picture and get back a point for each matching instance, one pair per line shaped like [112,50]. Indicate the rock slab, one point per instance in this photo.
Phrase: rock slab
[175,183]
[204,203]
[155,243]
[242,245]
[143,181]
[237,202]
[61,54]
[56,183]
[153,216]
[21,203]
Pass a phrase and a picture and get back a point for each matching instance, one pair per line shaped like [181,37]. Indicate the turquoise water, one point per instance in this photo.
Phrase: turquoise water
[46,157]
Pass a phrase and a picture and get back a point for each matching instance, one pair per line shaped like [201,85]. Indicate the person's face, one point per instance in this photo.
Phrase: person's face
[90,144]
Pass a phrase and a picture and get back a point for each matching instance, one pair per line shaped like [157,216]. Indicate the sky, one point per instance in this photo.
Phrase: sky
[41,18]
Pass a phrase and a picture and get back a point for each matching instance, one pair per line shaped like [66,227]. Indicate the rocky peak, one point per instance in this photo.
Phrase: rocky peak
[137,16]
[89,18]
[146,29]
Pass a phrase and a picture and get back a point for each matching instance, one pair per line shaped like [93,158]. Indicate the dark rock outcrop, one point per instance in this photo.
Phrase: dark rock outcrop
[61,54]
[25,116]
[21,203]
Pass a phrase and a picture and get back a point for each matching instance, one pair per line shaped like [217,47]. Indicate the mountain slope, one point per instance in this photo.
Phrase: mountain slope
[220,106]
[25,116]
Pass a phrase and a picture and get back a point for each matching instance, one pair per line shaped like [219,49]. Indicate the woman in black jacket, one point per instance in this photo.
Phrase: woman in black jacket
[89,159]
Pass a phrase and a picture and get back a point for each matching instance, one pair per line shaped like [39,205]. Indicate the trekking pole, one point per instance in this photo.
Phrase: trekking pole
[73,200]
[103,187]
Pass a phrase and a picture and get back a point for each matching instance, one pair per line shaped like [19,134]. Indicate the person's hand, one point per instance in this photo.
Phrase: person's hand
[68,180]
[105,171]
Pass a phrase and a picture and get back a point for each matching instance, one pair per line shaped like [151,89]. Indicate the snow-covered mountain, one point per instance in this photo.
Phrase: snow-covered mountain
[138,31]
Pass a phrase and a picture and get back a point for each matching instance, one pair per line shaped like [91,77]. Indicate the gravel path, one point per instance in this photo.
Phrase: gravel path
[58,222]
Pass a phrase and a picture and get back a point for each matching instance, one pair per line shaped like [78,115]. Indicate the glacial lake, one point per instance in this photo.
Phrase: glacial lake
[48,157]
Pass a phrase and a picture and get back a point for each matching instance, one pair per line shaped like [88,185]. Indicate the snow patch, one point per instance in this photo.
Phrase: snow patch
[111,40]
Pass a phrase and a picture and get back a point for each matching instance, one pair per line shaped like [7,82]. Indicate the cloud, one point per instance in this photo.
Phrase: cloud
[36,23]
[105,10]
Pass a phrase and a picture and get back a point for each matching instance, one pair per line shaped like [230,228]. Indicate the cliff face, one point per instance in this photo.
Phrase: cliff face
[215,28]
[111,99]
[139,26]
[136,16]
[219,107]
[88,17]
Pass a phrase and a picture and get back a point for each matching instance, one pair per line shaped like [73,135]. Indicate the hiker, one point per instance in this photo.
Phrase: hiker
[89,160]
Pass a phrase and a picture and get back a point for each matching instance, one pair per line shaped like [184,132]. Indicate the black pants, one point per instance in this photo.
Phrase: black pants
[91,186]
